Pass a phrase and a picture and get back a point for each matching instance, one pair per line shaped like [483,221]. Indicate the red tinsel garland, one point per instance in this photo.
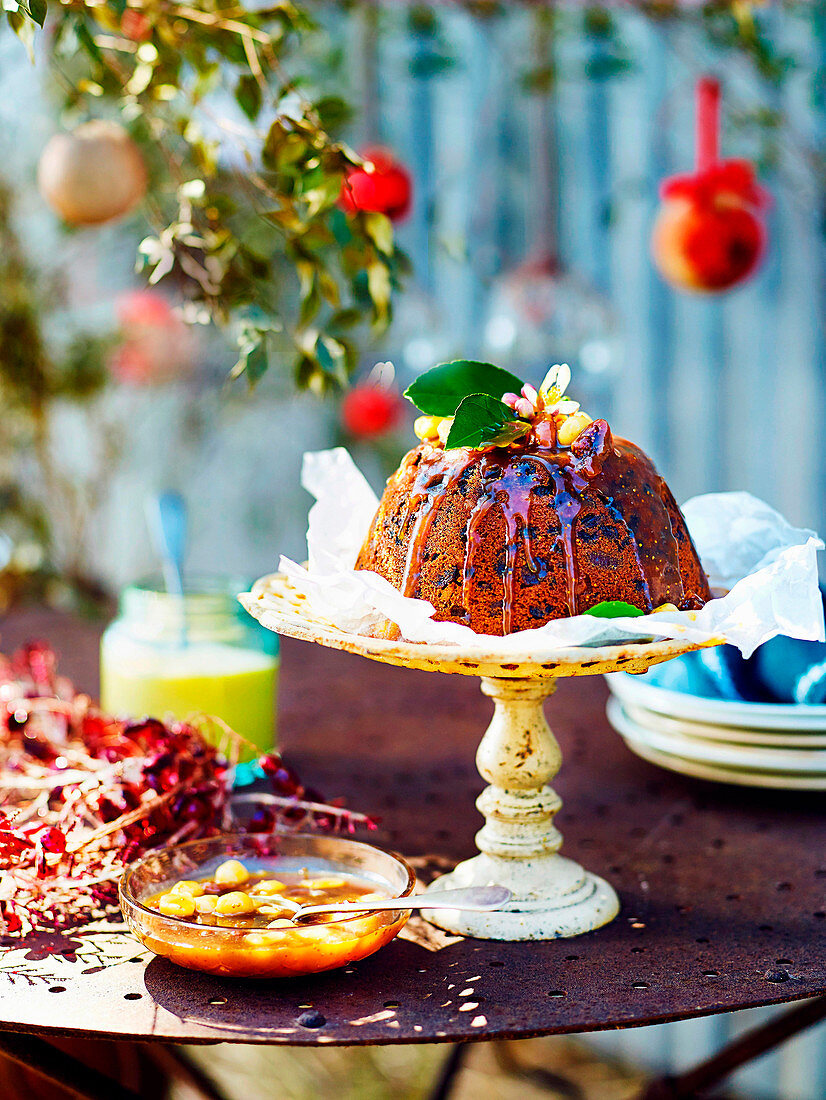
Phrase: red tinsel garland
[84,794]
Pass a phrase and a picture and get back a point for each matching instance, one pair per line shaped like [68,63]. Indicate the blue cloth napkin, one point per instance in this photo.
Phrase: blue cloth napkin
[783,670]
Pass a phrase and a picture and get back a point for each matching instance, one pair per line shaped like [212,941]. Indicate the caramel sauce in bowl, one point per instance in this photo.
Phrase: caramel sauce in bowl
[249,947]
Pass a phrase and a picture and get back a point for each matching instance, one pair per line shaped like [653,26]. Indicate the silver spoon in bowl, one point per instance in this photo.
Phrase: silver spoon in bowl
[477,899]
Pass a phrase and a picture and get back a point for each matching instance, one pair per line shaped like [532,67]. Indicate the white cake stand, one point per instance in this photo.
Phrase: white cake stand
[518,756]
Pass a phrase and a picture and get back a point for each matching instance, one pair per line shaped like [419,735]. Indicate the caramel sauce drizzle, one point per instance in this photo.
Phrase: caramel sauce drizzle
[423,505]
[509,482]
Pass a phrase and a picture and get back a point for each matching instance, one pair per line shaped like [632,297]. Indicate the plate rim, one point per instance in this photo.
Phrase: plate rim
[619,718]
[280,606]
[731,735]
[722,712]
[715,774]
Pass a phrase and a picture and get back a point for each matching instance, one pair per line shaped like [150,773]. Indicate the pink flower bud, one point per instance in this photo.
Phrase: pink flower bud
[530,393]
[510,399]
[524,408]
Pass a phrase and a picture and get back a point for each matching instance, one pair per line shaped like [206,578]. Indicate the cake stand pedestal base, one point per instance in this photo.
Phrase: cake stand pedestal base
[553,897]
[518,756]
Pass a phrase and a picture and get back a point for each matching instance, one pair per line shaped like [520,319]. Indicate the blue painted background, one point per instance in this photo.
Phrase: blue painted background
[726,392]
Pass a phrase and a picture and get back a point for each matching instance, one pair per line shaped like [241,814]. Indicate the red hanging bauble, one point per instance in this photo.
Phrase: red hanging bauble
[135,25]
[709,234]
[156,346]
[382,186]
[373,407]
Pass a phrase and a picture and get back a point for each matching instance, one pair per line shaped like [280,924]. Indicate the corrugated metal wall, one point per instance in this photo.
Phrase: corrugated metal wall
[726,392]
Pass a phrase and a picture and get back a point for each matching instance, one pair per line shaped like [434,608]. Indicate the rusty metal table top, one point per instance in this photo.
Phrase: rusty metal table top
[723,889]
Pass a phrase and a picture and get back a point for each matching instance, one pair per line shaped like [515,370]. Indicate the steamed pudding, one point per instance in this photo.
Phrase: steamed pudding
[539,512]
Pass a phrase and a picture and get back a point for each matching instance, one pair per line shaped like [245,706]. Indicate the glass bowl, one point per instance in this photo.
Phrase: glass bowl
[278,953]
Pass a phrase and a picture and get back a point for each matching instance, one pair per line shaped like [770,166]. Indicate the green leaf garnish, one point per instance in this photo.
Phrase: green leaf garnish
[614,609]
[35,9]
[482,420]
[440,391]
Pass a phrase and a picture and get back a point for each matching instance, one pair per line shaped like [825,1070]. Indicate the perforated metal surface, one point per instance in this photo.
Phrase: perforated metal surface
[723,890]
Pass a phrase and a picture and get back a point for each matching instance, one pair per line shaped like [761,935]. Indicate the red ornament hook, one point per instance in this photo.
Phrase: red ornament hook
[707,99]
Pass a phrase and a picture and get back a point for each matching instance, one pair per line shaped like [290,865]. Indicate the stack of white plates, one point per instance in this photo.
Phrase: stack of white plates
[753,744]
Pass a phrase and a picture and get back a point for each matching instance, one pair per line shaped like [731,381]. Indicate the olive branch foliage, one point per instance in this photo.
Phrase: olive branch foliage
[243,209]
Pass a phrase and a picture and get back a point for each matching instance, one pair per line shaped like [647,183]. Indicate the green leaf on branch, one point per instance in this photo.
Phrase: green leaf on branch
[328,287]
[332,356]
[341,229]
[35,10]
[439,391]
[482,420]
[333,112]
[84,37]
[379,288]
[253,360]
[248,95]
[305,269]
[283,147]
[323,196]
[379,229]
[285,218]
[344,319]
[614,609]
[24,29]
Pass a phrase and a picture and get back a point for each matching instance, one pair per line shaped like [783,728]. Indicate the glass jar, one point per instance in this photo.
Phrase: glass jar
[200,653]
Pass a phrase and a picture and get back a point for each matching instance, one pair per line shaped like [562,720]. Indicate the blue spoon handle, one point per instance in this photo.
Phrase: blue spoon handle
[166,516]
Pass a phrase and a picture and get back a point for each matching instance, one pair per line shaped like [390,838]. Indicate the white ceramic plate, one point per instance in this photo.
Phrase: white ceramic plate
[797,762]
[727,775]
[720,712]
[779,739]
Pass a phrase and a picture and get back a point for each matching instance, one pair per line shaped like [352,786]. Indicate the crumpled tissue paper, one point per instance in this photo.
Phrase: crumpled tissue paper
[768,567]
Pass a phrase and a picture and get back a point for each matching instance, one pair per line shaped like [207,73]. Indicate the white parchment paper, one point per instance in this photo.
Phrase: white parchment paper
[769,567]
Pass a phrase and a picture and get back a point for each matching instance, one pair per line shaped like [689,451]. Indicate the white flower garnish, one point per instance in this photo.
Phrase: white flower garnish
[555,383]
[565,407]
[382,375]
